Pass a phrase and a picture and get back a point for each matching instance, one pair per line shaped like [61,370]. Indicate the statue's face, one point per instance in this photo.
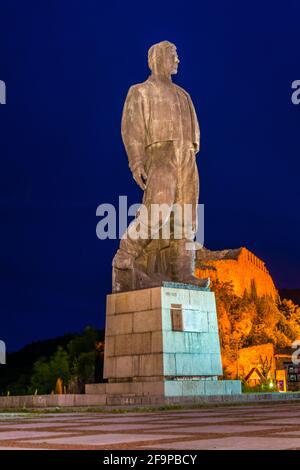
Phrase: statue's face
[163,58]
[171,60]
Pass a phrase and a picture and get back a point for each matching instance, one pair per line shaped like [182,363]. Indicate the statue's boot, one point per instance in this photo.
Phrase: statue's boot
[128,252]
[183,265]
[123,266]
[127,274]
[123,259]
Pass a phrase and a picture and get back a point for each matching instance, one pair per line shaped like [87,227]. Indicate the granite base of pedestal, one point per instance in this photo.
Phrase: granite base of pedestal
[163,342]
[167,388]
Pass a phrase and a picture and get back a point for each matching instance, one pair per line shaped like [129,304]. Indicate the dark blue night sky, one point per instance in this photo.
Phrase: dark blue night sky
[68,66]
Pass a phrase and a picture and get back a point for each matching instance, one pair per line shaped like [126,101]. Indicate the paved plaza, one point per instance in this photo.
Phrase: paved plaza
[268,426]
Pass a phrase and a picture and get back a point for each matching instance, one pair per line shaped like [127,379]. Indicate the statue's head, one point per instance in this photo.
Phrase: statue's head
[163,58]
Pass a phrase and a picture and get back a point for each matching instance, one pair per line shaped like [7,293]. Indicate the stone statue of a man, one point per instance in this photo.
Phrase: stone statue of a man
[161,135]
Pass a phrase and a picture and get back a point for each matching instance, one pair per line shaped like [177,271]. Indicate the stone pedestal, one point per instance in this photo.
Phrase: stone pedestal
[163,341]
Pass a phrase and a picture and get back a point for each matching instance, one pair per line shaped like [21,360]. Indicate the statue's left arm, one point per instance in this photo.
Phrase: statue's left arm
[133,128]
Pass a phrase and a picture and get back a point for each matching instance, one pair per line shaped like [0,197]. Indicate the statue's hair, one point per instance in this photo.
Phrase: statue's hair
[155,52]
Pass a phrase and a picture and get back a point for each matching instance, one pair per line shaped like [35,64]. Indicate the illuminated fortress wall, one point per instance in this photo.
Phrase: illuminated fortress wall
[239,266]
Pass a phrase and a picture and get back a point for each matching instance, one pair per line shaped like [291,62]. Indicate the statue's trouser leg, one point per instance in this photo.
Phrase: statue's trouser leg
[172,187]
[182,253]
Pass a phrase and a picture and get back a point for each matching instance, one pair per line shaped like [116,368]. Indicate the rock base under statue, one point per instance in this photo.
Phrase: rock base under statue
[162,342]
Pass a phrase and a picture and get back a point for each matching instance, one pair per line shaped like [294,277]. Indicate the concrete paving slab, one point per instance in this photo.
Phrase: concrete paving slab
[183,429]
[233,443]
[220,429]
[103,439]
[25,426]
[281,421]
[12,435]
[125,427]
[19,448]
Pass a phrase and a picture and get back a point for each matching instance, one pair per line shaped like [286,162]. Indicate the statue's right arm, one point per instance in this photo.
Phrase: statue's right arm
[134,129]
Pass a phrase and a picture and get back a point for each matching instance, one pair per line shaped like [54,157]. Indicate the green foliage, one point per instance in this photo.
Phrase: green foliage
[45,374]
[71,358]
[260,388]
[86,365]
[84,343]
[59,365]
[41,379]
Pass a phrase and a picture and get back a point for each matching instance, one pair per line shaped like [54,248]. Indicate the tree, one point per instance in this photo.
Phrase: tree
[59,366]
[41,379]
[45,374]
[83,343]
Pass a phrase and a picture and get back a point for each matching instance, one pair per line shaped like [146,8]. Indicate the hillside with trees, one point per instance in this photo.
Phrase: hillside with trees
[75,359]
[251,320]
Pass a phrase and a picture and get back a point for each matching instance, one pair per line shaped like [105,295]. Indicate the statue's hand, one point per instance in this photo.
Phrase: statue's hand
[196,148]
[140,177]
